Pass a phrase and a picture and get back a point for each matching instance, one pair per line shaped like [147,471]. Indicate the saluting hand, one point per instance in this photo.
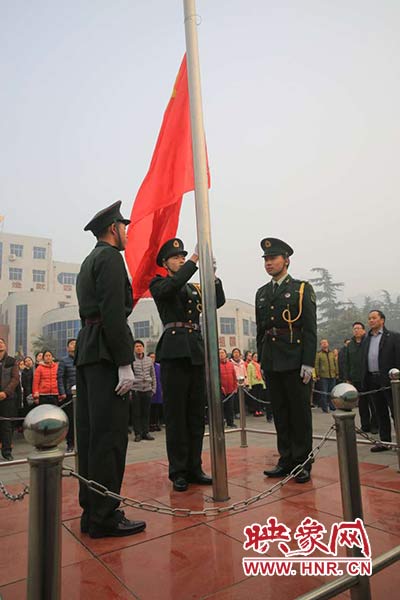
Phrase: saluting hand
[125,380]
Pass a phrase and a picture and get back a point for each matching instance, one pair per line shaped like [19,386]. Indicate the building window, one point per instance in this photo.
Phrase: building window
[39,276]
[39,252]
[67,278]
[16,249]
[60,333]
[253,328]
[141,329]
[21,328]
[246,330]
[15,274]
[227,325]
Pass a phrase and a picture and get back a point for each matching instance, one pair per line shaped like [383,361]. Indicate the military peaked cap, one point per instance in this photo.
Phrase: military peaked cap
[105,217]
[172,247]
[275,247]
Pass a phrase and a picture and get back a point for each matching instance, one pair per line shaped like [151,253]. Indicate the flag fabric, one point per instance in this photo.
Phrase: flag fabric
[156,209]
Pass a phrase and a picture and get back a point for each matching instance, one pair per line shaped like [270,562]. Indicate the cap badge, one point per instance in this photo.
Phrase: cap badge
[267,244]
[175,244]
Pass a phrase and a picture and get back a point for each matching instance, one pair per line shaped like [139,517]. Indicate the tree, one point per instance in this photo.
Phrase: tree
[327,290]
[42,342]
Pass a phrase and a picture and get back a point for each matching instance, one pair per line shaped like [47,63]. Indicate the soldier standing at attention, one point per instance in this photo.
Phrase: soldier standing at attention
[180,352]
[286,345]
[104,355]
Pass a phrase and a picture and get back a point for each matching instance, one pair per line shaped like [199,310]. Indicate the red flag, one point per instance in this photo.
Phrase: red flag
[155,212]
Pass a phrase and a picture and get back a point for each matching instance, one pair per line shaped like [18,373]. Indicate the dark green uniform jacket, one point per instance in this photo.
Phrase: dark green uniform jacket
[179,301]
[105,298]
[283,351]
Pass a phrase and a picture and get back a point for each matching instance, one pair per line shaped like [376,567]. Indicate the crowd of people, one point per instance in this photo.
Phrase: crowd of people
[364,361]
[119,386]
[26,383]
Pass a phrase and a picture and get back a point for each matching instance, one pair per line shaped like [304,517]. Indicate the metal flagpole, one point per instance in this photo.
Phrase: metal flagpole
[217,438]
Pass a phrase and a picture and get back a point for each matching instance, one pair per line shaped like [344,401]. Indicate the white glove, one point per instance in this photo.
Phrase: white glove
[214,263]
[306,373]
[196,250]
[125,380]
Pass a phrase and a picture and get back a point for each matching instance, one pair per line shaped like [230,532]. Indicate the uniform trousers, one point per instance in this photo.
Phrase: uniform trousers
[183,386]
[102,435]
[292,417]
[382,402]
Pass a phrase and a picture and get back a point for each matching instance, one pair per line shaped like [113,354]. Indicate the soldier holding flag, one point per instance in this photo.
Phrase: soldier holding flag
[180,352]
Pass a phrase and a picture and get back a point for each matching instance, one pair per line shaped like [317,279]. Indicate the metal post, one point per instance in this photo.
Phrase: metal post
[217,438]
[242,412]
[45,426]
[75,435]
[394,375]
[350,488]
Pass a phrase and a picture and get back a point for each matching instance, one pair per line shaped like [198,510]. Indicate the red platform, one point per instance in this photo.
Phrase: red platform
[182,558]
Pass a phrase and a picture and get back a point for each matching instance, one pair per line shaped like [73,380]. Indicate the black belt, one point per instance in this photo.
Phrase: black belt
[93,321]
[180,324]
[374,373]
[279,330]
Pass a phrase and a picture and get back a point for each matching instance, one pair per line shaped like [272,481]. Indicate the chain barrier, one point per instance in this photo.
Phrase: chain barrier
[23,418]
[207,512]
[382,389]
[246,391]
[228,397]
[13,497]
[375,442]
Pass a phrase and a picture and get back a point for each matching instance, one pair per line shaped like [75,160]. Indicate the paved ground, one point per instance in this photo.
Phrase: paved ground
[152,450]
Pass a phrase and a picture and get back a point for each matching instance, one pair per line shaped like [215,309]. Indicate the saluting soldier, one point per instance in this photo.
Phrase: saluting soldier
[180,352]
[104,355]
[286,345]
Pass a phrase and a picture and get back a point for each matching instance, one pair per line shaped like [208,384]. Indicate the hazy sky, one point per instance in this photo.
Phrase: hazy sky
[301,102]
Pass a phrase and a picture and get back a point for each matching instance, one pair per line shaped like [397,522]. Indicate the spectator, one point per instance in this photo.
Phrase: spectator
[66,379]
[156,406]
[144,387]
[228,387]
[352,373]
[241,371]
[45,386]
[256,384]
[9,380]
[341,359]
[38,359]
[27,381]
[326,371]
[380,353]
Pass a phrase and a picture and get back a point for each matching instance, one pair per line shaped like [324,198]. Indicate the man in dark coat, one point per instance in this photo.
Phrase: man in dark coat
[66,380]
[103,356]
[180,352]
[286,346]
[380,353]
[9,381]
[352,374]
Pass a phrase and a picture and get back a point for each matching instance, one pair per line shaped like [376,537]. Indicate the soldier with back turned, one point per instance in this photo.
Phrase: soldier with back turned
[104,355]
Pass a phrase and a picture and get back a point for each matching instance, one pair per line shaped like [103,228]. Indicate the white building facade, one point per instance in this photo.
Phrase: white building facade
[38,300]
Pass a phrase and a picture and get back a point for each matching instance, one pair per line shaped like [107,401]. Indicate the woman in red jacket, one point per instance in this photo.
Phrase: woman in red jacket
[45,387]
[228,386]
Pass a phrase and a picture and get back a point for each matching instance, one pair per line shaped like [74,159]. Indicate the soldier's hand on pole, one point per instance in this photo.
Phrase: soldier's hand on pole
[306,373]
[125,380]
